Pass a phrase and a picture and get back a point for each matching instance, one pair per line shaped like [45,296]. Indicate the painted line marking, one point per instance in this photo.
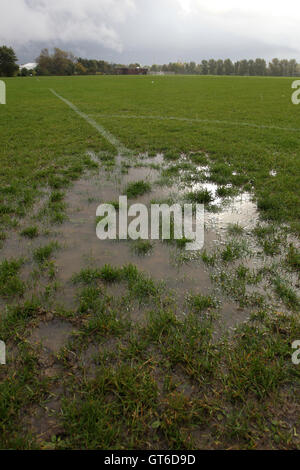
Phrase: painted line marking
[122,150]
[208,121]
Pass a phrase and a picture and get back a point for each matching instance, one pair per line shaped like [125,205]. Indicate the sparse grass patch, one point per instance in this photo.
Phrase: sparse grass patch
[293,258]
[142,247]
[200,303]
[235,229]
[10,283]
[110,274]
[138,188]
[202,196]
[233,251]
[56,196]
[30,232]
[44,253]
[286,294]
[87,276]
[225,191]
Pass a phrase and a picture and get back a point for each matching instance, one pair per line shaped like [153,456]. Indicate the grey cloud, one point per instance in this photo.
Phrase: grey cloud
[151,31]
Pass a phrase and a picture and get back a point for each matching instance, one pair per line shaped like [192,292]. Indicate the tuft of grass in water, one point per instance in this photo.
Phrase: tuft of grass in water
[181,243]
[56,196]
[91,300]
[110,274]
[271,247]
[142,247]
[224,191]
[208,259]
[87,276]
[198,158]
[293,258]
[235,229]
[30,232]
[202,196]
[264,231]
[44,253]
[286,294]
[10,283]
[199,303]
[137,188]
[233,251]
[170,155]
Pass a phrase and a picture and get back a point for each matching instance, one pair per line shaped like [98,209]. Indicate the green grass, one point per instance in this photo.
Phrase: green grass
[199,303]
[202,196]
[287,294]
[44,253]
[159,378]
[235,229]
[10,283]
[137,188]
[142,247]
[293,258]
[30,232]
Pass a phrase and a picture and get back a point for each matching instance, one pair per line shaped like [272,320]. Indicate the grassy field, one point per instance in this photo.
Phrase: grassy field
[100,354]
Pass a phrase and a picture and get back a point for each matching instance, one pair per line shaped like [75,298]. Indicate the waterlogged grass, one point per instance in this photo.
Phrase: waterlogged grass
[138,372]
[30,232]
[142,247]
[202,196]
[137,188]
[154,384]
[293,258]
[200,303]
[10,282]
[44,253]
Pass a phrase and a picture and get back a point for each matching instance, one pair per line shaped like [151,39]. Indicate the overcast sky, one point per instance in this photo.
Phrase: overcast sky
[153,31]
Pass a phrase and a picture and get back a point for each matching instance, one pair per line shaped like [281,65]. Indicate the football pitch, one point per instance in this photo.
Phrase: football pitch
[140,344]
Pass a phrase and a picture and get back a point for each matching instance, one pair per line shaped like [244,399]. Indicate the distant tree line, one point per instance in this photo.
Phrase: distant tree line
[61,62]
[64,63]
[277,68]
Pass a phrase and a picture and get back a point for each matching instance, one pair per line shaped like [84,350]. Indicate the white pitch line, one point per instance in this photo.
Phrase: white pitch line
[208,121]
[122,150]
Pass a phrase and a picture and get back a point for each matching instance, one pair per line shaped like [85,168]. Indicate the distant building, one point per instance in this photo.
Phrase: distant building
[156,73]
[128,71]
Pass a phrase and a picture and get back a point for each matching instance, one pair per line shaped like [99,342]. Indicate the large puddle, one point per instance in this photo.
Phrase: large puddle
[81,248]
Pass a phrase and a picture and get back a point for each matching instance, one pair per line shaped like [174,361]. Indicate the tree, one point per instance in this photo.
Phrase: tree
[260,67]
[228,67]
[275,67]
[244,67]
[220,67]
[292,68]
[59,63]
[80,69]
[204,67]
[44,63]
[8,59]
[212,67]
